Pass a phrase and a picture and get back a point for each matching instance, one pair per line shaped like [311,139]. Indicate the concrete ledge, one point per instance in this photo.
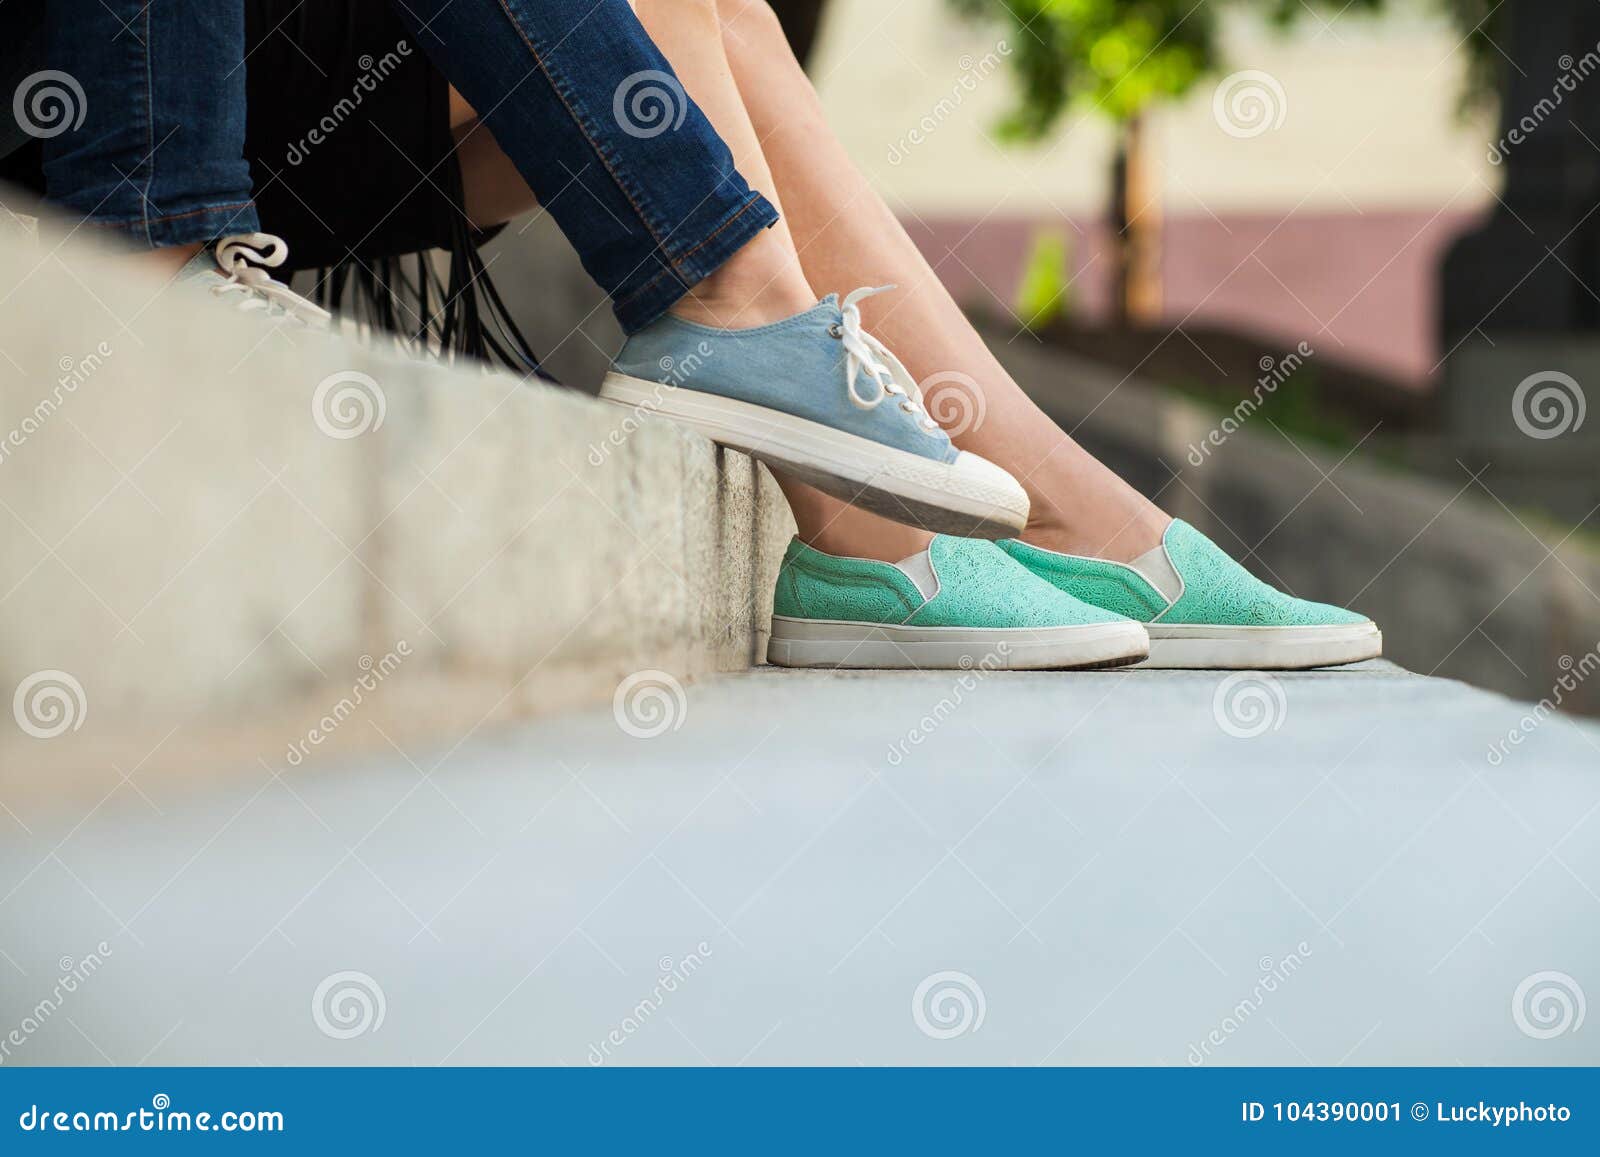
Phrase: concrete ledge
[217,554]
[1109,862]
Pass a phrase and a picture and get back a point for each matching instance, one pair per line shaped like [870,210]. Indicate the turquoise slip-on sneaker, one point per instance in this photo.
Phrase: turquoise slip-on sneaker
[962,603]
[1202,609]
[819,397]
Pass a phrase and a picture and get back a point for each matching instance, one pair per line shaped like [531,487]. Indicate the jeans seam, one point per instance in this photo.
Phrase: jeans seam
[623,303]
[149,129]
[712,236]
[583,128]
[146,220]
[755,198]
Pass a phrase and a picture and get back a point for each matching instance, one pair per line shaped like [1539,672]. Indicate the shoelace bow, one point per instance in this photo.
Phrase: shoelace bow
[242,256]
[865,352]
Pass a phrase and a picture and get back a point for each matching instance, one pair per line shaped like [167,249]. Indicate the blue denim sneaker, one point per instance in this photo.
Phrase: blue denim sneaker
[817,396]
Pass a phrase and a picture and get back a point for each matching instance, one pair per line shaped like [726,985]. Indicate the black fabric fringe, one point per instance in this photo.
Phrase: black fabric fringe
[460,315]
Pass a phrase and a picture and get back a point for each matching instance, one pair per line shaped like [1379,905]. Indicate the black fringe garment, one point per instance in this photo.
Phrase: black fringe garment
[352,163]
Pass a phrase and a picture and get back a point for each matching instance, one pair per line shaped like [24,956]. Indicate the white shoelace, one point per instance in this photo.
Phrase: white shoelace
[865,352]
[242,256]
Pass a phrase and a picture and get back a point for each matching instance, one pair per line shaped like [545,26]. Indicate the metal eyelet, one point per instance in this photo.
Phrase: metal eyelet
[836,330]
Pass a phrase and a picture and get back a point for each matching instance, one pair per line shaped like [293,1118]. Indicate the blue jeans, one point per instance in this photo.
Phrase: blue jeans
[582,101]
[574,91]
[159,152]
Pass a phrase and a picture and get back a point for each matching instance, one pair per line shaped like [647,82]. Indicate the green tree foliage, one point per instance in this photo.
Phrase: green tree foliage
[1120,57]
[1045,292]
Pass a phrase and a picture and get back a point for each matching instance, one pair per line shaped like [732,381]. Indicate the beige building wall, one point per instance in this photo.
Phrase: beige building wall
[1327,225]
[1369,119]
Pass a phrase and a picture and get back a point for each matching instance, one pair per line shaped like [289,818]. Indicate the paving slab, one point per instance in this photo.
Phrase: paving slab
[1340,867]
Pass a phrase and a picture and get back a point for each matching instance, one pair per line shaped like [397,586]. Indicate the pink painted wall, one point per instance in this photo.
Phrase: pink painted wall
[1359,285]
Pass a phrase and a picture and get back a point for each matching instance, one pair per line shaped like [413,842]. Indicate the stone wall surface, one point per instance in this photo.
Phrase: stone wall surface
[220,528]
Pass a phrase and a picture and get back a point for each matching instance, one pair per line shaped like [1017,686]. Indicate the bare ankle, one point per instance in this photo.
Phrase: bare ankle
[760,284]
[1120,535]
[884,544]
[737,308]
[168,260]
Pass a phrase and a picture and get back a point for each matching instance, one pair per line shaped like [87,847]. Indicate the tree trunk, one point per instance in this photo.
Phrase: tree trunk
[1136,228]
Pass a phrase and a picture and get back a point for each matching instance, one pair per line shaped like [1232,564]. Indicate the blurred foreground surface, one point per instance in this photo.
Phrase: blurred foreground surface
[789,868]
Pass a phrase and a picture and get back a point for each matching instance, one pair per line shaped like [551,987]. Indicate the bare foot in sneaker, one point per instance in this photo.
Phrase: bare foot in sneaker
[821,399]
[1084,522]
[169,260]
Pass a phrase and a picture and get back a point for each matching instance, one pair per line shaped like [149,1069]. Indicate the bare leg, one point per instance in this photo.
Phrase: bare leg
[494,192]
[761,283]
[686,31]
[167,260]
[689,35]
[847,236]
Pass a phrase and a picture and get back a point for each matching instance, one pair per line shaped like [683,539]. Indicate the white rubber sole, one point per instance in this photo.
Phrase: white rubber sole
[1262,648]
[970,497]
[836,644]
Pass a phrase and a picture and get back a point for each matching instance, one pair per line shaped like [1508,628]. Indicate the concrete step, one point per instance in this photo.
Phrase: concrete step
[220,533]
[927,868]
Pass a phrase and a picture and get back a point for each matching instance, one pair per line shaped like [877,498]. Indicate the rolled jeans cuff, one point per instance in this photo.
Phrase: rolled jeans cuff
[185,227]
[636,306]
